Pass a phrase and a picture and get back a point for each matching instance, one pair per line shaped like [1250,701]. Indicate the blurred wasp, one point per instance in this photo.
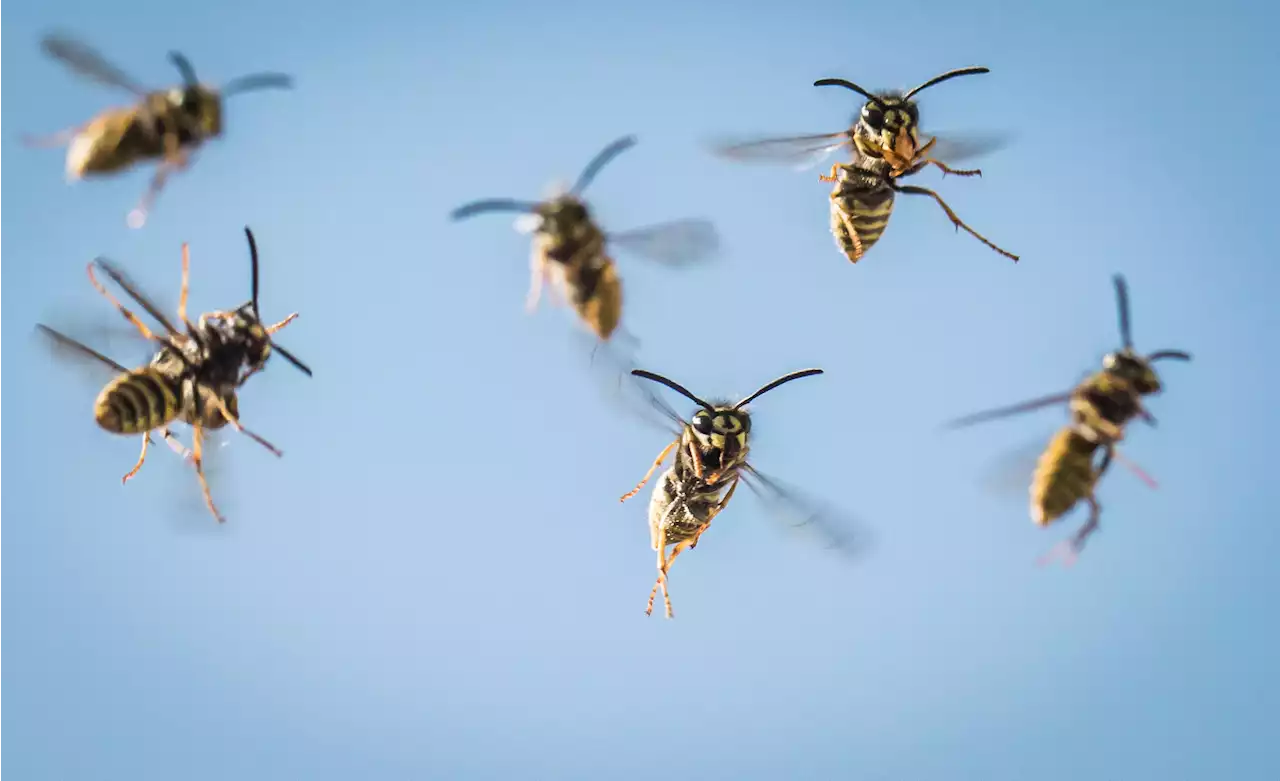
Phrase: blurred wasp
[569,248]
[885,145]
[710,459]
[193,378]
[1101,408]
[166,125]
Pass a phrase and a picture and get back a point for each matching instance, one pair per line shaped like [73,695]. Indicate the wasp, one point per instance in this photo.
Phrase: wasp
[711,451]
[193,378]
[885,144]
[164,125]
[1101,408]
[571,251]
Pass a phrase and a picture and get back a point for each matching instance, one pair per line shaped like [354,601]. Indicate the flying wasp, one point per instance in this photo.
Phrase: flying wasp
[711,452]
[885,144]
[193,378]
[571,252]
[1101,408]
[166,125]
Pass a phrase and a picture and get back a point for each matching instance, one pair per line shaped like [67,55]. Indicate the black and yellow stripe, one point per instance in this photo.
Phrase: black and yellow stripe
[861,204]
[139,401]
[1065,474]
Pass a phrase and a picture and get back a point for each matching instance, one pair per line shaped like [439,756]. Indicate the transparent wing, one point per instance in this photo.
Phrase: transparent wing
[87,62]
[1013,409]
[956,147]
[636,398]
[118,275]
[70,349]
[833,528]
[800,152]
[677,243]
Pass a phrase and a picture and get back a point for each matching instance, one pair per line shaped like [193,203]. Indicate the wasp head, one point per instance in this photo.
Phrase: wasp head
[889,121]
[1134,370]
[722,428]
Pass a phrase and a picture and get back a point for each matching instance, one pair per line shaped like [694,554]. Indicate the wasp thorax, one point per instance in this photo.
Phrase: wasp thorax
[1134,369]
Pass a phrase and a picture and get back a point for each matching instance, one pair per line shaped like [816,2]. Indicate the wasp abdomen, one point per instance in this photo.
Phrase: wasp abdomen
[596,294]
[860,205]
[133,403]
[1064,475]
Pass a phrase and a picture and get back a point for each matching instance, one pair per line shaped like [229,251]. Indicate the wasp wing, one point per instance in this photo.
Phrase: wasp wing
[84,60]
[1012,409]
[801,152]
[676,243]
[117,275]
[71,349]
[836,529]
[955,147]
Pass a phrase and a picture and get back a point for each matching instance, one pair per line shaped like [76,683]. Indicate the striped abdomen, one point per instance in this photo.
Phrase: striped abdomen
[140,401]
[587,276]
[681,507]
[595,291]
[861,205]
[1064,475]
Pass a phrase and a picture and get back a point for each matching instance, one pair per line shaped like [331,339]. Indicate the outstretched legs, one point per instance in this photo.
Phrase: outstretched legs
[951,215]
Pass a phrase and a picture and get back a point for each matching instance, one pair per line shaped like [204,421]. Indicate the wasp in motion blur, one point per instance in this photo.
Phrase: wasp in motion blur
[885,143]
[1101,408]
[194,376]
[166,125]
[710,459]
[572,252]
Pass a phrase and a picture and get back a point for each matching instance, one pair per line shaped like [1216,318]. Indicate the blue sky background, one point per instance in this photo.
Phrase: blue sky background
[437,580]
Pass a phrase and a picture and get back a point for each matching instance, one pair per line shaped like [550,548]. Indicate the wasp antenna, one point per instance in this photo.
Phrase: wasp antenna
[600,161]
[945,76]
[780,381]
[673,385]
[1122,307]
[253,268]
[491,205]
[1180,355]
[184,67]
[258,81]
[847,85]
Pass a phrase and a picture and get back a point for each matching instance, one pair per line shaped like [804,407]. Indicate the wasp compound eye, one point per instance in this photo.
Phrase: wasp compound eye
[703,424]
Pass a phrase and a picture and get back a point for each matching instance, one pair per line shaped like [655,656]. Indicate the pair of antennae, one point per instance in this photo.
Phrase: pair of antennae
[253,260]
[1126,332]
[588,175]
[683,391]
[876,98]
[243,84]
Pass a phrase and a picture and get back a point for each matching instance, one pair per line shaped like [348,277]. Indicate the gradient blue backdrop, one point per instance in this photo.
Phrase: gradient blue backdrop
[437,580]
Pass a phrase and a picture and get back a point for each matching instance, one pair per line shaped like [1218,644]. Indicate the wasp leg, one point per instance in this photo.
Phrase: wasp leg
[174,160]
[146,440]
[959,223]
[271,329]
[124,310]
[186,282]
[946,169]
[720,505]
[679,548]
[198,457]
[537,277]
[657,462]
[697,461]
[853,236]
[221,406]
[833,176]
[661,545]
[175,445]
